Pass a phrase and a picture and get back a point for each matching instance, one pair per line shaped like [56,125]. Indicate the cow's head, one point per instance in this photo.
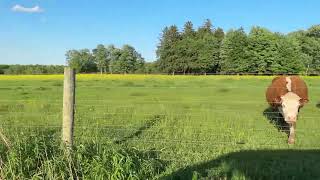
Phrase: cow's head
[290,104]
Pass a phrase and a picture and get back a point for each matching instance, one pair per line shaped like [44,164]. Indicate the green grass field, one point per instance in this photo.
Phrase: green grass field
[145,127]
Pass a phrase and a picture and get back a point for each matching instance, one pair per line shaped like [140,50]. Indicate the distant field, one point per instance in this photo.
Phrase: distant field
[165,126]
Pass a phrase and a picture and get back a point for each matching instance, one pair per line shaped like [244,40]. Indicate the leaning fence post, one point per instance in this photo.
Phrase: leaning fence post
[68,106]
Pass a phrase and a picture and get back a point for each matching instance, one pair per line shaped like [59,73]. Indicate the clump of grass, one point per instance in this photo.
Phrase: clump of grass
[131,84]
[4,108]
[139,85]
[12,107]
[138,94]
[39,155]
[24,93]
[45,108]
[57,84]
[42,88]
[223,90]
[4,88]
[127,84]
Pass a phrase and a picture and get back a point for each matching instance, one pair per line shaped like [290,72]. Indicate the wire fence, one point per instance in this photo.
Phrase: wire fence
[214,125]
[187,73]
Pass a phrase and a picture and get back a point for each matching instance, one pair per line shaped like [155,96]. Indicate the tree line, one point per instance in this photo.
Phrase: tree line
[102,59]
[211,50]
[31,69]
[201,50]
[106,59]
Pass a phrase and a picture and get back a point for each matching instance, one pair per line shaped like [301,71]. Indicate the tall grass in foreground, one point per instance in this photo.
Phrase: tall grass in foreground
[40,156]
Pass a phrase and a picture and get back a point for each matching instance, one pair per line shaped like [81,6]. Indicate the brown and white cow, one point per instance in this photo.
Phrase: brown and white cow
[288,94]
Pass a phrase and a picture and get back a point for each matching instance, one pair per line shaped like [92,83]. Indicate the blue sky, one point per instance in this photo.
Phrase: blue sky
[43,31]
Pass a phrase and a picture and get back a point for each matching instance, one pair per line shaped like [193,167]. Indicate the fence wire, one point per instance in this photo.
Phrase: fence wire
[194,126]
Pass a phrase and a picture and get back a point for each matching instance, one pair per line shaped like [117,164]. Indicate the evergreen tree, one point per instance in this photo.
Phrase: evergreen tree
[208,48]
[187,52]
[188,30]
[219,34]
[167,50]
[314,31]
[206,28]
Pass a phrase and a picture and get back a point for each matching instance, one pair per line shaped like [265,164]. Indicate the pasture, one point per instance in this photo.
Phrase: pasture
[155,126]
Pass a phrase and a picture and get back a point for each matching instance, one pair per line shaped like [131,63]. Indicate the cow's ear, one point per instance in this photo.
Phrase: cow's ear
[303,101]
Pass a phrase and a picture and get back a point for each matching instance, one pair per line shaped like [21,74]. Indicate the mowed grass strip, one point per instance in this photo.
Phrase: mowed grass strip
[196,126]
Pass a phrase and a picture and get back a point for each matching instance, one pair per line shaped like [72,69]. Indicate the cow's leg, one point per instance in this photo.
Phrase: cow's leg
[292,132]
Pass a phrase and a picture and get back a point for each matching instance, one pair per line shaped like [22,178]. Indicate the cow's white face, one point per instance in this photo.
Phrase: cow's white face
[289,108]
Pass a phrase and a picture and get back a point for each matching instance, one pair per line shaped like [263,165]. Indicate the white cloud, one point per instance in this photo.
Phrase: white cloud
[19,8]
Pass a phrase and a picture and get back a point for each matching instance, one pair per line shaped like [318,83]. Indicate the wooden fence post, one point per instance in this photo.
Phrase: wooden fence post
[68,106]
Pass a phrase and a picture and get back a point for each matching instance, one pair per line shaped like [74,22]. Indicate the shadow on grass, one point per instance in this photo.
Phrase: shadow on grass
[256,164]
[276,118]
[150,123]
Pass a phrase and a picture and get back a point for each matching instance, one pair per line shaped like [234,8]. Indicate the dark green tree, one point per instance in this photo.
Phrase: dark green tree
[309,43]
[233,52]
[188,30]
[114,55]
[262,50]
[208,48]
[314,31]
[88,64]
[101,58]
[167,50]
[219,34]
[206,28]
[289,58]
[74,60]
[126,60]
